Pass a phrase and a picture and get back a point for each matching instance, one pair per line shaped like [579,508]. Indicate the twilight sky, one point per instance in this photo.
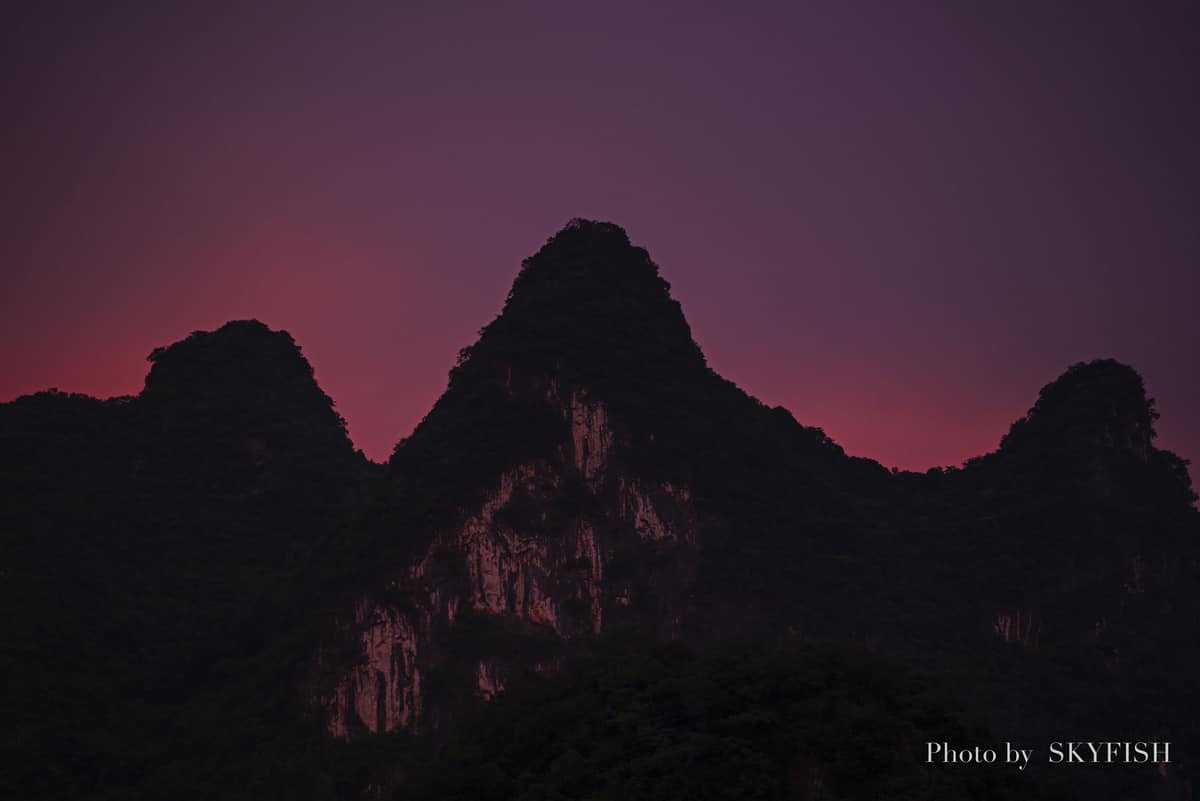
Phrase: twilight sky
[899,220]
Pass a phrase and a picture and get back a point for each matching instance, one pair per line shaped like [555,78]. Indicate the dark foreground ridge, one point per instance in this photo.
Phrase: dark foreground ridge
[214,595]
[654,722]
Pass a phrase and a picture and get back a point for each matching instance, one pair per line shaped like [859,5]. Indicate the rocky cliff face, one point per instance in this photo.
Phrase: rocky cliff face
[545,518]
[509,559]
[586,472]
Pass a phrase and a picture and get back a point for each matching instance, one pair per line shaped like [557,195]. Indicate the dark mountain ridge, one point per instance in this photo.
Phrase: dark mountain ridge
[230,559]
[159,554]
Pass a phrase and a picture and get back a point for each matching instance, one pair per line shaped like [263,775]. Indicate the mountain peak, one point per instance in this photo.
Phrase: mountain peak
[583,234]
[589,304]
[1093,408]
[242,356]
[240,380]
[588,258]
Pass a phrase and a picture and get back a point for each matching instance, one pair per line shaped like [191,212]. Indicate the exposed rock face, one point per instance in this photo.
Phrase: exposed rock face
[585,471]
[552,577]
[384,691]
[1017,627]
[487,682]
[591,438]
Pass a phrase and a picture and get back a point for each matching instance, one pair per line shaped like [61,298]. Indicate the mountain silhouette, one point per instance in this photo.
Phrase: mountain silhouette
[160,556]
[215,595]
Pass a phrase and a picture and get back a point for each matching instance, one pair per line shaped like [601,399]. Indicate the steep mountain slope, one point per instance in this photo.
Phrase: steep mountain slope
[586,472]
[559,485]
[160,553]
[1077,542]
[208,593]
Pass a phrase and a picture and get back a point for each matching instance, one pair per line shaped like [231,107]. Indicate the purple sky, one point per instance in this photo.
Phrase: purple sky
[898,223]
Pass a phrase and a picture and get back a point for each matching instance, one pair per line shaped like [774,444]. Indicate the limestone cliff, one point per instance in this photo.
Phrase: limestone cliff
[549,576]
[585,472]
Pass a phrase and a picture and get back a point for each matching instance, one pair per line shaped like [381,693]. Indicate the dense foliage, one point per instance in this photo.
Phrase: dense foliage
[648,723]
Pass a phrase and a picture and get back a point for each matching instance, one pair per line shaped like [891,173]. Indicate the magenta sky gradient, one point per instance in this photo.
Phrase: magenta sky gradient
[898,223]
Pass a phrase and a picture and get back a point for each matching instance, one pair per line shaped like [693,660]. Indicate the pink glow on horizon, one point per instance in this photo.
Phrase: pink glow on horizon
[898,224]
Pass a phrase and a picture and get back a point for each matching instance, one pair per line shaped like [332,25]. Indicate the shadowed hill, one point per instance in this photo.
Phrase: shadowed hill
[160,559]
[243,386]
[215,596]
[589,314]
[1033,548]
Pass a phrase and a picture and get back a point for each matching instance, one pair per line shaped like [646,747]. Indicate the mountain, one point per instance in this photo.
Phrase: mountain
[585,471]
[159,557]
[251,608]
